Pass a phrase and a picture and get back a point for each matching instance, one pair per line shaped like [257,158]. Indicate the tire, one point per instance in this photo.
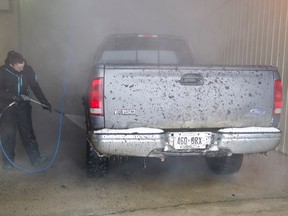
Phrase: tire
[225,165]
[96,166]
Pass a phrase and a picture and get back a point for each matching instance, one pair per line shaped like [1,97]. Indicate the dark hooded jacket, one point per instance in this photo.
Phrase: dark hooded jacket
[13,83]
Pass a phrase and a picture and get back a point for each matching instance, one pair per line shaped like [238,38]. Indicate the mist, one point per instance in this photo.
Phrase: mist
[61,36]
[59,39]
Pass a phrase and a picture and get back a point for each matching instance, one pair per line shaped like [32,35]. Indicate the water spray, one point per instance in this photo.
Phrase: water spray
[76,119]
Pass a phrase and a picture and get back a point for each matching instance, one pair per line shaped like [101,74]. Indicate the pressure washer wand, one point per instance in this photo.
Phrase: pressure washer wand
[37,102]
[26,98]
[79,120]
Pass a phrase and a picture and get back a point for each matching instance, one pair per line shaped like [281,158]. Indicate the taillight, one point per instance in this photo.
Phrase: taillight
[96,97]
[277,97]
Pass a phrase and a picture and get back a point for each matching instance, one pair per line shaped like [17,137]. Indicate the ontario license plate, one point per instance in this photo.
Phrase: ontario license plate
[190,140]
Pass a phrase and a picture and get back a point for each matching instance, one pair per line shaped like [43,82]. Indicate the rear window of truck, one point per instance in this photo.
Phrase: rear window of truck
[143,50]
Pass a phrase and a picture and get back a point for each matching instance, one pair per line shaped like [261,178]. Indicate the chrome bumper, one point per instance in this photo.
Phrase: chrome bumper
[148,142]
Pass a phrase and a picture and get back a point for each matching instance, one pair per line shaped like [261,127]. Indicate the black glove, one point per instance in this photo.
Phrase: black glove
[46,105]
[18,99]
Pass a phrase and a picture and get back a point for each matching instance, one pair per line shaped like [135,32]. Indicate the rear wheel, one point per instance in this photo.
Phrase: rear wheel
[96,166]
[226,165]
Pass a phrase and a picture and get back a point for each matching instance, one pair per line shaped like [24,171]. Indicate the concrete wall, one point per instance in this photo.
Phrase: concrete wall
[9,36]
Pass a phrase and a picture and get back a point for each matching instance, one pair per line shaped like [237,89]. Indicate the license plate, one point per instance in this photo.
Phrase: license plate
[190,140]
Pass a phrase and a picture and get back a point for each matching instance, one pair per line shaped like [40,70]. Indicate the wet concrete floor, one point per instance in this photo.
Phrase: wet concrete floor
[175,187]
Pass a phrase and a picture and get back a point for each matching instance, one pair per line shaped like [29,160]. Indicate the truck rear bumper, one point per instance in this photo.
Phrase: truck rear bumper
[148,142]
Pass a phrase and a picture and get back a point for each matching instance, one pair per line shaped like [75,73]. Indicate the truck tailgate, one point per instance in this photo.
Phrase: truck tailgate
[187,97]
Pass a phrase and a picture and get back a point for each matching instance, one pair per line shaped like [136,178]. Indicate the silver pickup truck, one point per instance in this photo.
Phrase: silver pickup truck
[147,98]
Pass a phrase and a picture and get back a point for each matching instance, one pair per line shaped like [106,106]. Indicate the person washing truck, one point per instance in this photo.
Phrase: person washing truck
[16,79]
